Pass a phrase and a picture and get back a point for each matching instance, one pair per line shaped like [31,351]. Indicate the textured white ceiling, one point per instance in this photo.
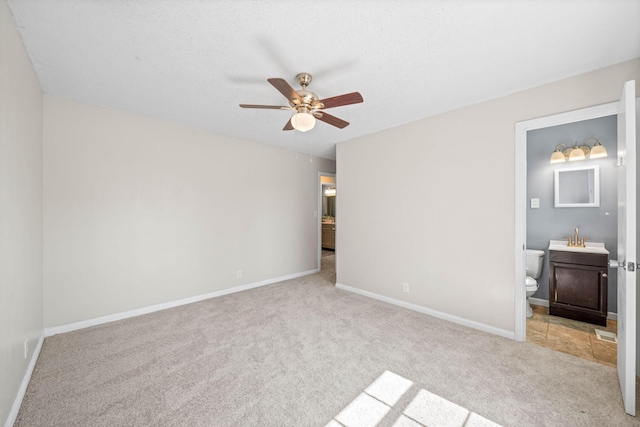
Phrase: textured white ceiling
[194,61]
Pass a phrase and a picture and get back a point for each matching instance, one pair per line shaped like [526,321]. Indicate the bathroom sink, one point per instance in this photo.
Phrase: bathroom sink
[590,247]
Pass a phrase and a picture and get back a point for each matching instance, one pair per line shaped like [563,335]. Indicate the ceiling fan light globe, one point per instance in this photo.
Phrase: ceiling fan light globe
[303,122]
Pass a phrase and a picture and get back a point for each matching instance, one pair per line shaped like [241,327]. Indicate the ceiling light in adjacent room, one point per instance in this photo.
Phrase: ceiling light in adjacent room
[331,191]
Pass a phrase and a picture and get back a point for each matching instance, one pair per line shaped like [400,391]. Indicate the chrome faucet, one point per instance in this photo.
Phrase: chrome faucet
[575,242]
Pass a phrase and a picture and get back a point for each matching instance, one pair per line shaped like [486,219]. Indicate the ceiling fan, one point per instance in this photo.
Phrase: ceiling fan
[307,105]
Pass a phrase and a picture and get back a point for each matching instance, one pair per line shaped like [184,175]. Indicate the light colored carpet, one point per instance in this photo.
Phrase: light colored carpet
[296,353]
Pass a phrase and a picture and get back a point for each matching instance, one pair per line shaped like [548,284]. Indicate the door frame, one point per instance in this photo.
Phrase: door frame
[319,212]
[521,129]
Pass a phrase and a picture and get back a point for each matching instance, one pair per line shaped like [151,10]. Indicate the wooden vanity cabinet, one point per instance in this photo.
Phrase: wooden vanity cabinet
[578,286]
[329,235]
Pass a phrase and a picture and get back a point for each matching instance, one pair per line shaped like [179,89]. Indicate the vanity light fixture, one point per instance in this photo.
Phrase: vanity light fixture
[331,191]
[597,151]
[578,152]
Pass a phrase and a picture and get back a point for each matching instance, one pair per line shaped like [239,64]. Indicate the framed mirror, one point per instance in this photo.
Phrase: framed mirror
[577,187]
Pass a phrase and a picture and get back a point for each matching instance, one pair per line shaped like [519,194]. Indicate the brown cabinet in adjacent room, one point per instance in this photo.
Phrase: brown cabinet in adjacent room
[578,286]
[328,235]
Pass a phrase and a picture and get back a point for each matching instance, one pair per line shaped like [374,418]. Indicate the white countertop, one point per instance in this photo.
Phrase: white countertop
[591,247]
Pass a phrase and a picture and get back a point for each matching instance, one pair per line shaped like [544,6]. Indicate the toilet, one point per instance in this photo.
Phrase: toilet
[535,259]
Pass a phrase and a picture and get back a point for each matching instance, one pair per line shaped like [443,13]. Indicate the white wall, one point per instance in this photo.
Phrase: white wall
[20,211]
[441,213]
[139,211]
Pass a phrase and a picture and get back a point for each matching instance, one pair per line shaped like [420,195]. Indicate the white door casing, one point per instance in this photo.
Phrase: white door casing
[522,128]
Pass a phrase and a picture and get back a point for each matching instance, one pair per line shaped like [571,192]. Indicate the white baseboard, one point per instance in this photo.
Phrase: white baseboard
[13,414]
[538,301]
[545,303]
[444,316]
[163,306]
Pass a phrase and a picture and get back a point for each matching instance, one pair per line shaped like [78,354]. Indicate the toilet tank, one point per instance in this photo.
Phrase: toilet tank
[535,260]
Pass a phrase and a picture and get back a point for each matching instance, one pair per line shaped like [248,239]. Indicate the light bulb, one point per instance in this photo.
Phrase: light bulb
[303,121]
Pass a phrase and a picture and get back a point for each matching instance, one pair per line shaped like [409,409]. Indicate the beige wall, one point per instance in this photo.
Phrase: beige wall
[431,203]
[20,210]
[140,212]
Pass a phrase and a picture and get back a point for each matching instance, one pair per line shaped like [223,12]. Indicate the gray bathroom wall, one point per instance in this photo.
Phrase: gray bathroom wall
[549,223]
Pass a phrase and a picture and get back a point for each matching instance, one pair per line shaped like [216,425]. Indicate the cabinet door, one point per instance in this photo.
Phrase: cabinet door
[328,236]
[578,285]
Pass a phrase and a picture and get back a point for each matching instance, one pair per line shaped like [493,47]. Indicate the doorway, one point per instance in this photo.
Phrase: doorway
[597,221]
[628,116]
[327,195]
[522,130]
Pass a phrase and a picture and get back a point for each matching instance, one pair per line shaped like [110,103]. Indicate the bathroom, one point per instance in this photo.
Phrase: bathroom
[545,222]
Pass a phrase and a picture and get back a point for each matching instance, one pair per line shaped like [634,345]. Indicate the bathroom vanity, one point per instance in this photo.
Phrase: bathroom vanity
[329,235]
[578,281]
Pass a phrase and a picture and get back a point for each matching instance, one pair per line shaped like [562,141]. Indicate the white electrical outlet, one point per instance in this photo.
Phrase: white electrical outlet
[405,288]
[239,274]
[26,347]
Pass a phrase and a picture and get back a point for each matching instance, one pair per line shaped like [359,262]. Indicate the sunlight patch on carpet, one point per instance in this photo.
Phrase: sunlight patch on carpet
[389,388]
[426,408]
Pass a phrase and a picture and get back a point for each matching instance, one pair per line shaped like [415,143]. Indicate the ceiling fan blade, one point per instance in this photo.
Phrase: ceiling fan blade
[267,107]
[285,89]
[340,100]
[332,120]
[288,126]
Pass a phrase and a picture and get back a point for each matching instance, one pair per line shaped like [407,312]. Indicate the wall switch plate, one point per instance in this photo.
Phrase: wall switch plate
[26,348]
[535,203]
[405,288]
[239,274]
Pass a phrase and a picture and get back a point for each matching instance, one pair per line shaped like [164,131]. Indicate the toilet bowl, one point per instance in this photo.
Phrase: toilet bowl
[535,260]
[532,287]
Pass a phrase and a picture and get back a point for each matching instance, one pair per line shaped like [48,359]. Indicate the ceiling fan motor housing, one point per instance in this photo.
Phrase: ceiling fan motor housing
[307,99]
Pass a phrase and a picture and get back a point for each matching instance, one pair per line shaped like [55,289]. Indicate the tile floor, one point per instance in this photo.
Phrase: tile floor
[571,337]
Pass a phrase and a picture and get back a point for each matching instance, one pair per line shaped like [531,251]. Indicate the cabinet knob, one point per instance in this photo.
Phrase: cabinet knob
[604,275]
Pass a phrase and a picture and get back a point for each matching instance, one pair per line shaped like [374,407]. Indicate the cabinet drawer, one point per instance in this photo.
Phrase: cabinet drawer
[580,258]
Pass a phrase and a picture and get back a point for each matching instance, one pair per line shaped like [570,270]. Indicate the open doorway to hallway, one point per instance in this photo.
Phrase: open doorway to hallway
[327,219]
